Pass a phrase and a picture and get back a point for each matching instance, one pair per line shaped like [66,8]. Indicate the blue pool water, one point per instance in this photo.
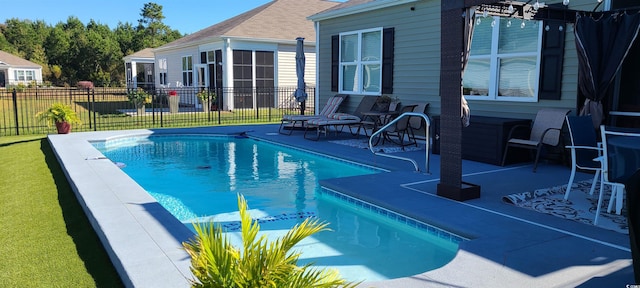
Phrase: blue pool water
[197,178]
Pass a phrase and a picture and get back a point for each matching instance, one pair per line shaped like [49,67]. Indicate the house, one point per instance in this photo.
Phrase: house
[511,75]
[245,57]
[15,70]
[515,67]
[139,68]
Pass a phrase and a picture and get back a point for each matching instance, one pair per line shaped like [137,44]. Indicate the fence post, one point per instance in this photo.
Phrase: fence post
[93,107]
[89,107]
[14,97]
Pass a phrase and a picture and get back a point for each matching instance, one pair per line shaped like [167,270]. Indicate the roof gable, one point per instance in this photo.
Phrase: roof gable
[277,20]
[15,61]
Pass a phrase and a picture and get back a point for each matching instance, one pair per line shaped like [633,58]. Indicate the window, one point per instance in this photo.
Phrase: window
[187,71]
[25,75]
[242,69]
[163,78]
[504,62]
[265,69]
[360,68]
[162,67]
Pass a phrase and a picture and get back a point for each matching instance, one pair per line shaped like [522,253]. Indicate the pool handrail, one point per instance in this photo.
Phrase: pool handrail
[427,137]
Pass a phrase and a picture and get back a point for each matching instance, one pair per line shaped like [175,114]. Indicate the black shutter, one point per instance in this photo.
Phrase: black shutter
[551,61]
[387,60]
[335,61]
[203,57]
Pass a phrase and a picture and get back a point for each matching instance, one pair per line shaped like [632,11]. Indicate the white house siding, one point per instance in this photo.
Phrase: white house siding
[174,69]
[417,59]
[11,80]
[287,66]
[285,74]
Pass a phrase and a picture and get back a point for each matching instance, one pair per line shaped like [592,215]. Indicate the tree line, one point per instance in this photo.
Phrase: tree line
[71,52]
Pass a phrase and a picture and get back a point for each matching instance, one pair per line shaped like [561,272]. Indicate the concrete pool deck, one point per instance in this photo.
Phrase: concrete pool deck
[509,246]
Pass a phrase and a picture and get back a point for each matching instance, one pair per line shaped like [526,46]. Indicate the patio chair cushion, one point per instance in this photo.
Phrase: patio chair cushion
[343,116]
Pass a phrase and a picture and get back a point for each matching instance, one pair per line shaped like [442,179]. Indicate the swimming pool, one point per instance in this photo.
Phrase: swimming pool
[196,178]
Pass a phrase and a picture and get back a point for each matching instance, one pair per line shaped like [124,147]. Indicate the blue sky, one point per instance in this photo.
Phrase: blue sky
[186,16]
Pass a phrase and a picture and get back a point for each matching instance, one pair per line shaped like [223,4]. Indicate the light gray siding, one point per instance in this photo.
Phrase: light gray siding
[417,59]
[417,51]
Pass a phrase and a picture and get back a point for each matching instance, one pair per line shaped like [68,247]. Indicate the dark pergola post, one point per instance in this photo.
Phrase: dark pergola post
[451,48]
[451,42]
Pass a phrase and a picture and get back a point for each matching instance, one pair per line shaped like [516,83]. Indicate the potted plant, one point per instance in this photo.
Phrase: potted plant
[208,100]
[382,103]
[61,115]
[139,97]
[174,101]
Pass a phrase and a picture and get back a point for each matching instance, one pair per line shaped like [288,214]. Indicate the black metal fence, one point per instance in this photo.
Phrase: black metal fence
[104,108]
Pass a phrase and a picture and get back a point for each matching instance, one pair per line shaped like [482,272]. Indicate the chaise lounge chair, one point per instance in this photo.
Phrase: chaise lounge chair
[336,120]
[289,122]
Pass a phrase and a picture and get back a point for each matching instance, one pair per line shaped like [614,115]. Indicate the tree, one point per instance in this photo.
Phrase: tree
[125,36]
[71,51]
[21,35]
[103,53]
[152,16]
[5,45]
[56,73]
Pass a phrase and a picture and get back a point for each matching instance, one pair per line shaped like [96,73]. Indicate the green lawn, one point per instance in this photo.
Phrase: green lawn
[46,239]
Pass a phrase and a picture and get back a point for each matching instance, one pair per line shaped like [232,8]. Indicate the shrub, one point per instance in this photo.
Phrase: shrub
[138,96]
[205,96]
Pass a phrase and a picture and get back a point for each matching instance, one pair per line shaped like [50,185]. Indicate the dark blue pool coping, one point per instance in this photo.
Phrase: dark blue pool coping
[508,246]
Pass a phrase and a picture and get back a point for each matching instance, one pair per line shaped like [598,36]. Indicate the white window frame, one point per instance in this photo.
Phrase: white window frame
[162,71]
[201,76]
[186,71]
[360,64]
[24,75]
[494,61]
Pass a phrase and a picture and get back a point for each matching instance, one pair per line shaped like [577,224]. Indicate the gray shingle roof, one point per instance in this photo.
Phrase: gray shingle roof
[349,3]
[144,53]
[277,20]
[15,61]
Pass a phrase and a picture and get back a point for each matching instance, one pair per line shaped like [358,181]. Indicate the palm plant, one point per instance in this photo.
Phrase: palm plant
[215,262]
[58,112]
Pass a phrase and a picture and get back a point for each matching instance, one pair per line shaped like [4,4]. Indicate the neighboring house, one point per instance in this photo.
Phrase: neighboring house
[139,68]
[246,57]
[15,70]
[374,47]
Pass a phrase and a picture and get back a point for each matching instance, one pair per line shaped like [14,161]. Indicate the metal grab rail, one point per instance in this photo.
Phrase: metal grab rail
[427,136]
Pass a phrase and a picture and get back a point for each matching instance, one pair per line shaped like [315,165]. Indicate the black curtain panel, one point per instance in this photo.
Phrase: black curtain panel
[469,25]
[603,40]
[632,185]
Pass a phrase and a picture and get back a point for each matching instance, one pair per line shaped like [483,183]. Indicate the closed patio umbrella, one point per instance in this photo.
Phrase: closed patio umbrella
[300,94]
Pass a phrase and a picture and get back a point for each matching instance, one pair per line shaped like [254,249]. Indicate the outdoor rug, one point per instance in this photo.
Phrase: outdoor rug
[580,206]
[387,147]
